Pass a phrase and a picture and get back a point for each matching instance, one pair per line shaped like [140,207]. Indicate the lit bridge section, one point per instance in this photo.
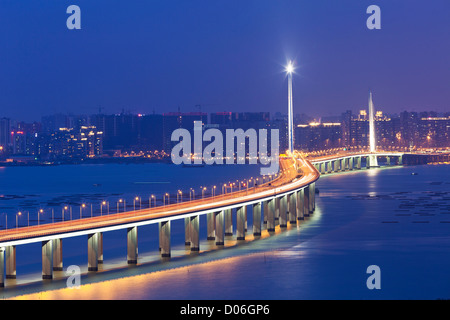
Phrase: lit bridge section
[287,199]
[348,161]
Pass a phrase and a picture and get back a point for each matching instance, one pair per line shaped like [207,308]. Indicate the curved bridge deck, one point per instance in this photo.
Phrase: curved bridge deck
[288,197]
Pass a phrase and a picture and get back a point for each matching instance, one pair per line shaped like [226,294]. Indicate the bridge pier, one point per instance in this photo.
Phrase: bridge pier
[306,200]
[10,257]
[350,163]
[300,205]
[187,238]
[229,222]
[47,259]
[132,245]
[164,238]
[388,161]
[93,252]
[265,211]
[271,215]
[400,160]
[57,255]
[245,218]
[100,247]
[372,161]
[240,223]
[283,211]
[220,238]
[293,208]
[210,219]
[257,219]
[358,163]
[277,210]
[194,233]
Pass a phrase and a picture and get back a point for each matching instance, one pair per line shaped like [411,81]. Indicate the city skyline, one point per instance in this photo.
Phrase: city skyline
[211,55]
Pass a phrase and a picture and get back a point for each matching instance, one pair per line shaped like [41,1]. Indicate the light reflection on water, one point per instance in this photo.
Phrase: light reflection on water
[327,256]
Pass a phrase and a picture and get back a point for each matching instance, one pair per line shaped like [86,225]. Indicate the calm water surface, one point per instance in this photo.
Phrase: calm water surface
[385,217]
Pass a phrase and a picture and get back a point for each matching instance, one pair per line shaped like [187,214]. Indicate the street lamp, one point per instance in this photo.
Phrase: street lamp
[81,208]
[191,192]
[63,209]
[290,71]
[118,208]
[39,212]
[17,220]
[180,194]
[104,203]
[164,199]
[134,203]
[203,192]
[150,201]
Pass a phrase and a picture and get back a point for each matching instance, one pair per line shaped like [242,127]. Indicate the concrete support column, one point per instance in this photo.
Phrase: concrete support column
[373,162]
[57,255]
[194,232]
[10,261]
[300,204]
[293,208]
[132,245]
[350,163]
[313,197]
[322,168]
[400,160]
[220,238]
[164,238]
[358,163]
[240,223]
[228,222]
[100,248]
[245,218]
[93,252]
[187,227]
[306,200]
[265,211]
[388,161]
[271,215]
[47,259]
[210,217]
[257,219]
[329,167]
[2,267]
[283,211]
[277,210]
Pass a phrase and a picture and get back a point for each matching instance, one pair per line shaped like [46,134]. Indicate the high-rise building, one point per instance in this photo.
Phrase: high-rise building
[5,133]
[177,120]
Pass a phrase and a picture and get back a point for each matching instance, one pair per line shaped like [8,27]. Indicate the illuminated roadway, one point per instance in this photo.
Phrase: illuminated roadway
[291,177]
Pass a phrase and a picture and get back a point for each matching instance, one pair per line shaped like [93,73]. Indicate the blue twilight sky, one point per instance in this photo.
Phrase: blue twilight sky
[148,55]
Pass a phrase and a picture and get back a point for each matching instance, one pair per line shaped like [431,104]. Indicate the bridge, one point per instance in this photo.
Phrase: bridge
[288,198]
[353,161]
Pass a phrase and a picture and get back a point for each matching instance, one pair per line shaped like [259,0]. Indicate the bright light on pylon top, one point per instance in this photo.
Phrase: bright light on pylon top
[290,67]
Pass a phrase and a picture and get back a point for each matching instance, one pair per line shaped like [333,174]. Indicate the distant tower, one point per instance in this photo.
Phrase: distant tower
[372,135]
[290,70]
